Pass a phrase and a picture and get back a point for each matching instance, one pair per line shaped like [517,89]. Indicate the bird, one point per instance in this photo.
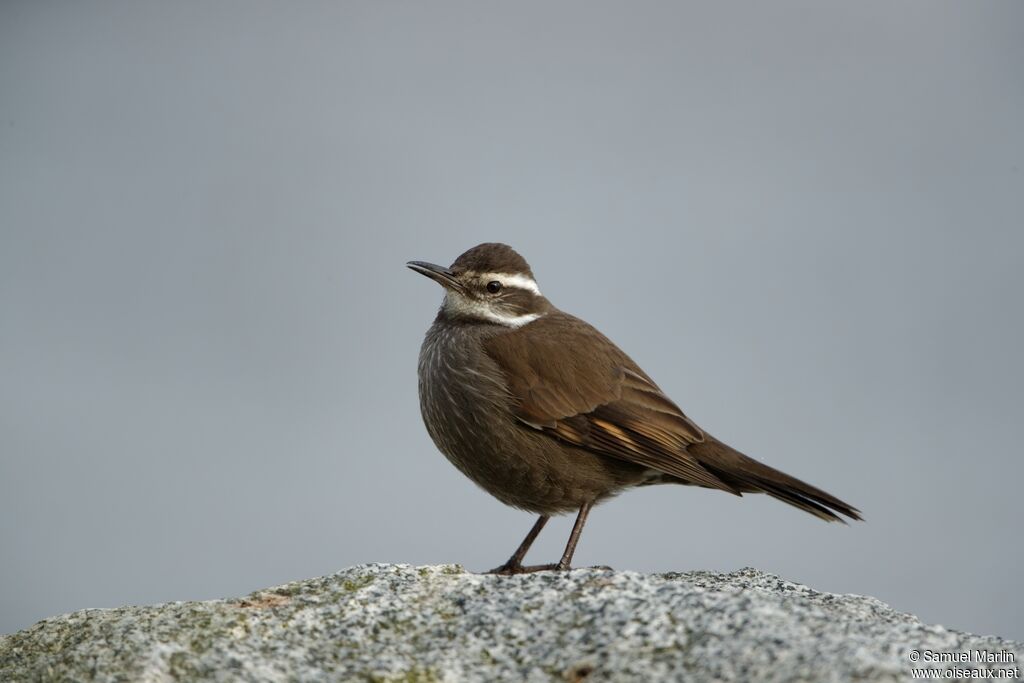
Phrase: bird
[546,414]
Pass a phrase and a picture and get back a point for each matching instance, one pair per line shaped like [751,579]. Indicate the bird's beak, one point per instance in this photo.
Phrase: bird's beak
[440,274]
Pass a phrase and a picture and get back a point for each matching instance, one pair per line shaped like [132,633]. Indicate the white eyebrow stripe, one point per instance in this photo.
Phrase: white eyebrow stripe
[513,280]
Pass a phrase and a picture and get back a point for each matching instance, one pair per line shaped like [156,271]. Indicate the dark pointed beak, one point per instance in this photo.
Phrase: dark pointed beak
[440,274]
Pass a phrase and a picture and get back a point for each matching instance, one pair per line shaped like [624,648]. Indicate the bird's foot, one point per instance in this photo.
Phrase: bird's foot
[510,568]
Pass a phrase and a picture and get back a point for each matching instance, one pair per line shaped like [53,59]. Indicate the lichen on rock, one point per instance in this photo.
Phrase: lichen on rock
[417,624]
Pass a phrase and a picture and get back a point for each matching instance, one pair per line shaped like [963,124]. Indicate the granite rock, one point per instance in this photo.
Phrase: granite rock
[402,623]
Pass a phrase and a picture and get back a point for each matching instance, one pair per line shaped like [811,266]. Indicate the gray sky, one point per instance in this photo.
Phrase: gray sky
[803,219]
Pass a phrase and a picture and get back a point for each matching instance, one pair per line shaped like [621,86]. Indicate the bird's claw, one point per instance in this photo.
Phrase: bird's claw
[511,569]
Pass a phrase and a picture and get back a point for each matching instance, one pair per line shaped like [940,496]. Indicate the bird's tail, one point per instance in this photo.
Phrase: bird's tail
[747,475]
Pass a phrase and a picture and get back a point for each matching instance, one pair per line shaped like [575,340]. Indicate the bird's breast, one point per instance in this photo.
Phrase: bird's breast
[463,395]
[469,413]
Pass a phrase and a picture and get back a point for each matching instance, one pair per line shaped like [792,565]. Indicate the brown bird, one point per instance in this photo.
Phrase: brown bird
[546,414]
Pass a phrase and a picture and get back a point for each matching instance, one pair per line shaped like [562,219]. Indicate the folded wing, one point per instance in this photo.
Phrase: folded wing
[570,382]
[573,384]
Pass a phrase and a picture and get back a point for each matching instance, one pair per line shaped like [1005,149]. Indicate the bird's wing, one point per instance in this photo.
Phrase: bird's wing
[569,381]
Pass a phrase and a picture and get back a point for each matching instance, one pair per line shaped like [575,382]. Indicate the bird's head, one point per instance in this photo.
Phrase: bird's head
[489,283]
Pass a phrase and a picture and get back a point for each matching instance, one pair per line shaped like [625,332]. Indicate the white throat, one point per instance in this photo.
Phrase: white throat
[460,305]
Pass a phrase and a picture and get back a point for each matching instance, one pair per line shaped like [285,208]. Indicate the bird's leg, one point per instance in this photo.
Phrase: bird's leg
[574,538]
[515,563]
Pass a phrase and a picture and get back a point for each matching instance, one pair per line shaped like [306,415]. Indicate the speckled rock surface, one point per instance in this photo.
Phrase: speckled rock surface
[402,623]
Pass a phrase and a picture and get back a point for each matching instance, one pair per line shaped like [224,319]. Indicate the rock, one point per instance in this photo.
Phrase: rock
[401,623]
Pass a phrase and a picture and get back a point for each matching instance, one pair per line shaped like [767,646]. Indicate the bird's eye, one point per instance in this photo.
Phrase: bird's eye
[493,286]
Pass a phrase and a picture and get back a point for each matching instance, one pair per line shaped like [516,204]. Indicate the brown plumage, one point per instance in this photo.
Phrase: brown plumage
[547,414]
[570,381]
